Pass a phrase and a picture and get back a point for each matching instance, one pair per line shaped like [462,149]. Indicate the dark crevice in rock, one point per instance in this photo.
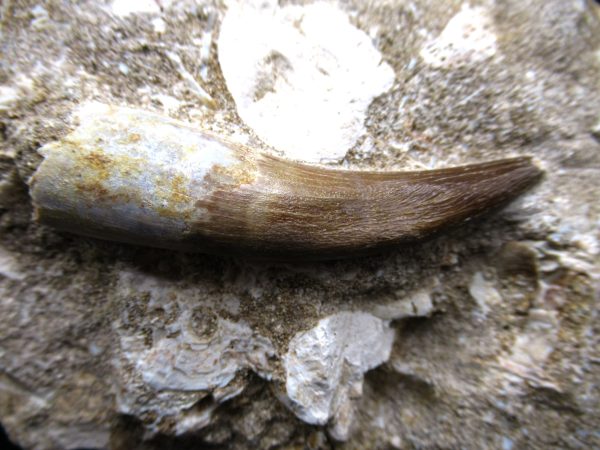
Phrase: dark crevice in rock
[5,441]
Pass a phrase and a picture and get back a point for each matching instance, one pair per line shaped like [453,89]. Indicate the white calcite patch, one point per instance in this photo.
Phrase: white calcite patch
[467,38]
[484,293]
[325,367]
[159,25]
[41,18]
[195,420]
[534,344]
[8,96]
[9,266]
[301,76]
[168,102]
[21,86]
[418,304]
[192,362]
[189,79]
[180,351]
[533,347]
[194,349]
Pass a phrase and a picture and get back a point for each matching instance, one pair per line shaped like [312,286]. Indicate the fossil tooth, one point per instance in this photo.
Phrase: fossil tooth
[133,176]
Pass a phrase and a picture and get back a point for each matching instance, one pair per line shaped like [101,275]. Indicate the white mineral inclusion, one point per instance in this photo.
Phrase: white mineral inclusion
[9,266]
[484,293]
[189,363]
[193,350]
[325,365]
[468,37]
[8,97]
[301,76]
[419,304]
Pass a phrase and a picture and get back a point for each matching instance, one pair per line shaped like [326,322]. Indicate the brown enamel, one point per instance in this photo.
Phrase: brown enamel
[298,212]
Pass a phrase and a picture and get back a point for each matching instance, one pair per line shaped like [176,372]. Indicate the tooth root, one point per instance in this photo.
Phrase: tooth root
[133,176]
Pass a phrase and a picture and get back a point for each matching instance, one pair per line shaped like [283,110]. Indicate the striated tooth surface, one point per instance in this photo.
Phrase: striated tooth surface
[134,176]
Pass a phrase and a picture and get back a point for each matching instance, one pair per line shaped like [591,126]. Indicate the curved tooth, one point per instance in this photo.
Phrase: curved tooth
[133,176]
